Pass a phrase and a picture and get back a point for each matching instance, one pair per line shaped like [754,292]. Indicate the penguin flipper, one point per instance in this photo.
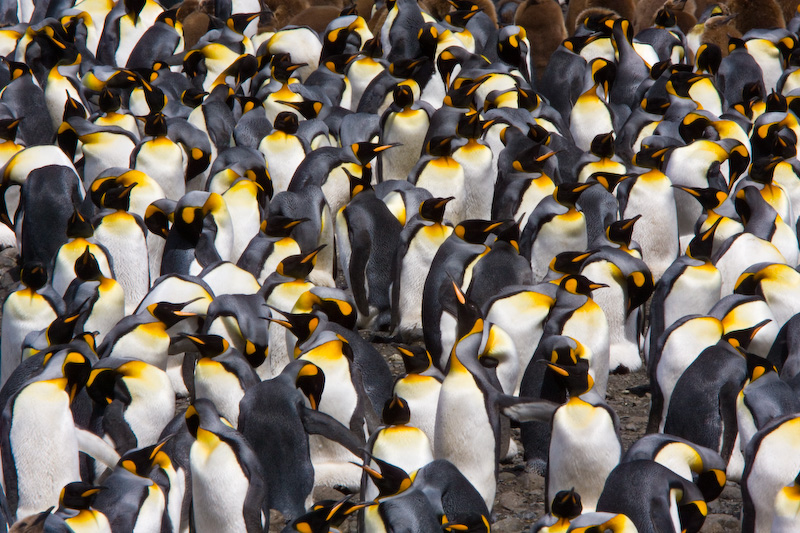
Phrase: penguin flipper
[97,448]
[116,427]
[317,423]
[524,409]
[358,270]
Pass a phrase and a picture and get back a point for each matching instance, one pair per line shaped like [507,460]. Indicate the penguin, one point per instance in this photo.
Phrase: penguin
[283,431]
[398,443]
[273,244]
[40,439]
[30,308]
[419,388]
[220,374]
[283,150]
[690,285]
[576,315]
[130,498]
[405,122]
[671,354]
[651,195]
[467,393]
[573,460]
[653,497]
[225,277]
[368,236]
[480,172]
[565,506]
[698,464]
[75,510]
[123,234]
[24,97]
[554,226]
[160,157]
[399,31]
[241,501]
[713,423]
[240,319]
[420,239]
[544,26]
[764,397]
[442,176]
[136,402]
[775,283]
[99,301]
[763,479]
[590,115]
[143,336]
[79,231]
[453,259]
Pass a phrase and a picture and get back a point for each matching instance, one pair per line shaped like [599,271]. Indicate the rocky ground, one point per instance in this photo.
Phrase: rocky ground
[520,493]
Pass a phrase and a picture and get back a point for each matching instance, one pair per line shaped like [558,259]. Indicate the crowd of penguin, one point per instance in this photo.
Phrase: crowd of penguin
[232,202]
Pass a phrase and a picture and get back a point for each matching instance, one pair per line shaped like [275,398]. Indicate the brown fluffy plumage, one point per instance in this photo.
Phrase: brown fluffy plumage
[544,24]
[624,8]
[756,14]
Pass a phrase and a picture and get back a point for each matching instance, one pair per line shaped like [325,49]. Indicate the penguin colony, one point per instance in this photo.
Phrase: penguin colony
[210,201]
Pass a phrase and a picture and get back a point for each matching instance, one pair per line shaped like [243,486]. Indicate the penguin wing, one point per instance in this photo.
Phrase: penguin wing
[318,423]
[97,448]
[358,266]
[116,427]
[523,409]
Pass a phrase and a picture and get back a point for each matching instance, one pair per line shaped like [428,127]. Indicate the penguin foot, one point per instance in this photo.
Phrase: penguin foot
[537,466]
[640,390]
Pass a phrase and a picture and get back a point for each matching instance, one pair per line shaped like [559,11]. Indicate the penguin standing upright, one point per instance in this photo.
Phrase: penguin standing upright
[584,438]
[24,311]
[228,488]
[468,415]
[161,158]
[405,122]
[419,241]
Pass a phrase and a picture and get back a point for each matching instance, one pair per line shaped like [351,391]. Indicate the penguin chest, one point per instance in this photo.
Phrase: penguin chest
[336,187]
[422,395]
[403,446]
[145,342]
[407,128]
[108,309]
[219,486]
[566,231]
[152,405]
[444,177]
[44,446]
[479,178]
[584,449]
[589,117]
[464,433]
[283,154]
[64,269]
[339,398]
[695,291]
[414,270]
[536,191]
[123,238]
[23,312]
[151,511]
[89,521]
[165,162]
[285,295]
[212,381]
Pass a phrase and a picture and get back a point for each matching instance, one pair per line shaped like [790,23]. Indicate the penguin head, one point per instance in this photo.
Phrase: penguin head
[709,197]
[708,58]
[533,159]
[208,345]
[416,359]
[203,418]
[298,266]
[193,97]
[603,145]
[62,329]
[758,366]
[578,284]
[608,180]
[282,67]
[651,156]
[433,208]
[621,231]
[469,125]
[155,125]
[567,194]
[566,504]
[389,479]
[365,152]
[702,245]
[462,13]
[143,461]
[337,305]
[302,325]
[117,198]
[170,313]
[396,412]
[310,381]
[741,338]
[33,275]
[469,317]
[569,262]
[86,267]
[462,89]
[8,128]
[281,226]
[325,514]
[403,96]
[105,385]
[359,184]
[72,109]
[476,231]
[78,495]
[75,368]
[286,122]
[158,217]
[575,378]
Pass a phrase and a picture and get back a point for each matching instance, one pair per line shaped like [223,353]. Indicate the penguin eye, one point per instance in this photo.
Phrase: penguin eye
[489,362]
